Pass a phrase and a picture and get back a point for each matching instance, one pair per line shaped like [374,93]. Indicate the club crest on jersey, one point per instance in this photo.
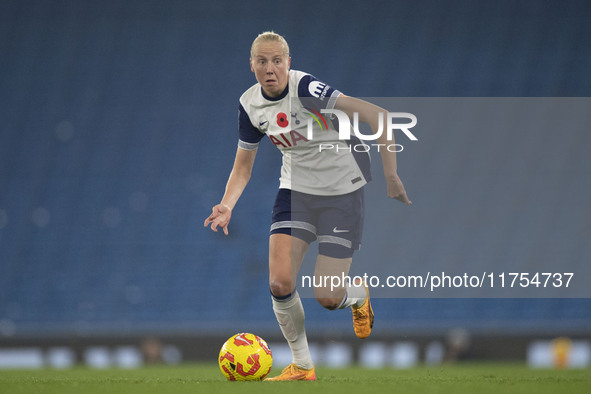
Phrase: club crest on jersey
[313,115]
[287,139]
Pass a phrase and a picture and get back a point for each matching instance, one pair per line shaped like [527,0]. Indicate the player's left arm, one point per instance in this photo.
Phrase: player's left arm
[369,113]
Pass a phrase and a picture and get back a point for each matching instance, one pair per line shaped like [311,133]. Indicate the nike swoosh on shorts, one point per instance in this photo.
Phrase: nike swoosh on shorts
[336,230]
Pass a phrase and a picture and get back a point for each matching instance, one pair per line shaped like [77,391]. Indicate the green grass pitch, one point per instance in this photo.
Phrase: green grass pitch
[206,378]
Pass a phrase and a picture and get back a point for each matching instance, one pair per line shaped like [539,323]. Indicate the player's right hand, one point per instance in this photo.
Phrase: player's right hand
[220,216]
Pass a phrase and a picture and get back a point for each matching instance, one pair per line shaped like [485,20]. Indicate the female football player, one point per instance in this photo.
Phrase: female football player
[320,195]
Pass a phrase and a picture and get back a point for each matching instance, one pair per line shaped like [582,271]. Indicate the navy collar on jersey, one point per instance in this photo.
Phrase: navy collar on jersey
[282,95]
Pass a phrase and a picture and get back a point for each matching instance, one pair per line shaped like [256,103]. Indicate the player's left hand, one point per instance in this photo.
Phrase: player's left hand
[220,216]
[396,189]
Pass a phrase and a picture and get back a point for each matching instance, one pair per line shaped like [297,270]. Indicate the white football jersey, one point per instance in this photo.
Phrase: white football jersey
[315,161]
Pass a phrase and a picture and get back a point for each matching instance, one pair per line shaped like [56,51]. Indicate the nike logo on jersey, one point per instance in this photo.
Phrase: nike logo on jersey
[262,123]
[336,230]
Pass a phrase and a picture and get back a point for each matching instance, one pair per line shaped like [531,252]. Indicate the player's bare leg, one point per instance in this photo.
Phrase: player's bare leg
[286,254]
[329,288]
[335,294]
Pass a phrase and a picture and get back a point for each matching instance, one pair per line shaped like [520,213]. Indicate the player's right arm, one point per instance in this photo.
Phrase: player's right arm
[239,177]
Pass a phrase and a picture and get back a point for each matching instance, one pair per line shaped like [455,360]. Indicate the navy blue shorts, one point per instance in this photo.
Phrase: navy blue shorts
[335,221]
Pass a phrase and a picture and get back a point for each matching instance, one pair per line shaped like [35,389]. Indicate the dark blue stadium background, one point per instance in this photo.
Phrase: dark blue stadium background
[118,127]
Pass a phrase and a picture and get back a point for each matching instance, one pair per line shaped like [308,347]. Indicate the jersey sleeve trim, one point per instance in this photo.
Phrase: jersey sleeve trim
[333,99]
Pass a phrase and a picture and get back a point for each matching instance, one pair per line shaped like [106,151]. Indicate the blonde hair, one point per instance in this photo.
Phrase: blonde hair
[269,36]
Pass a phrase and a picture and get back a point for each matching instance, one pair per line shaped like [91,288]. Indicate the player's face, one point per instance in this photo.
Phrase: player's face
[271,67]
